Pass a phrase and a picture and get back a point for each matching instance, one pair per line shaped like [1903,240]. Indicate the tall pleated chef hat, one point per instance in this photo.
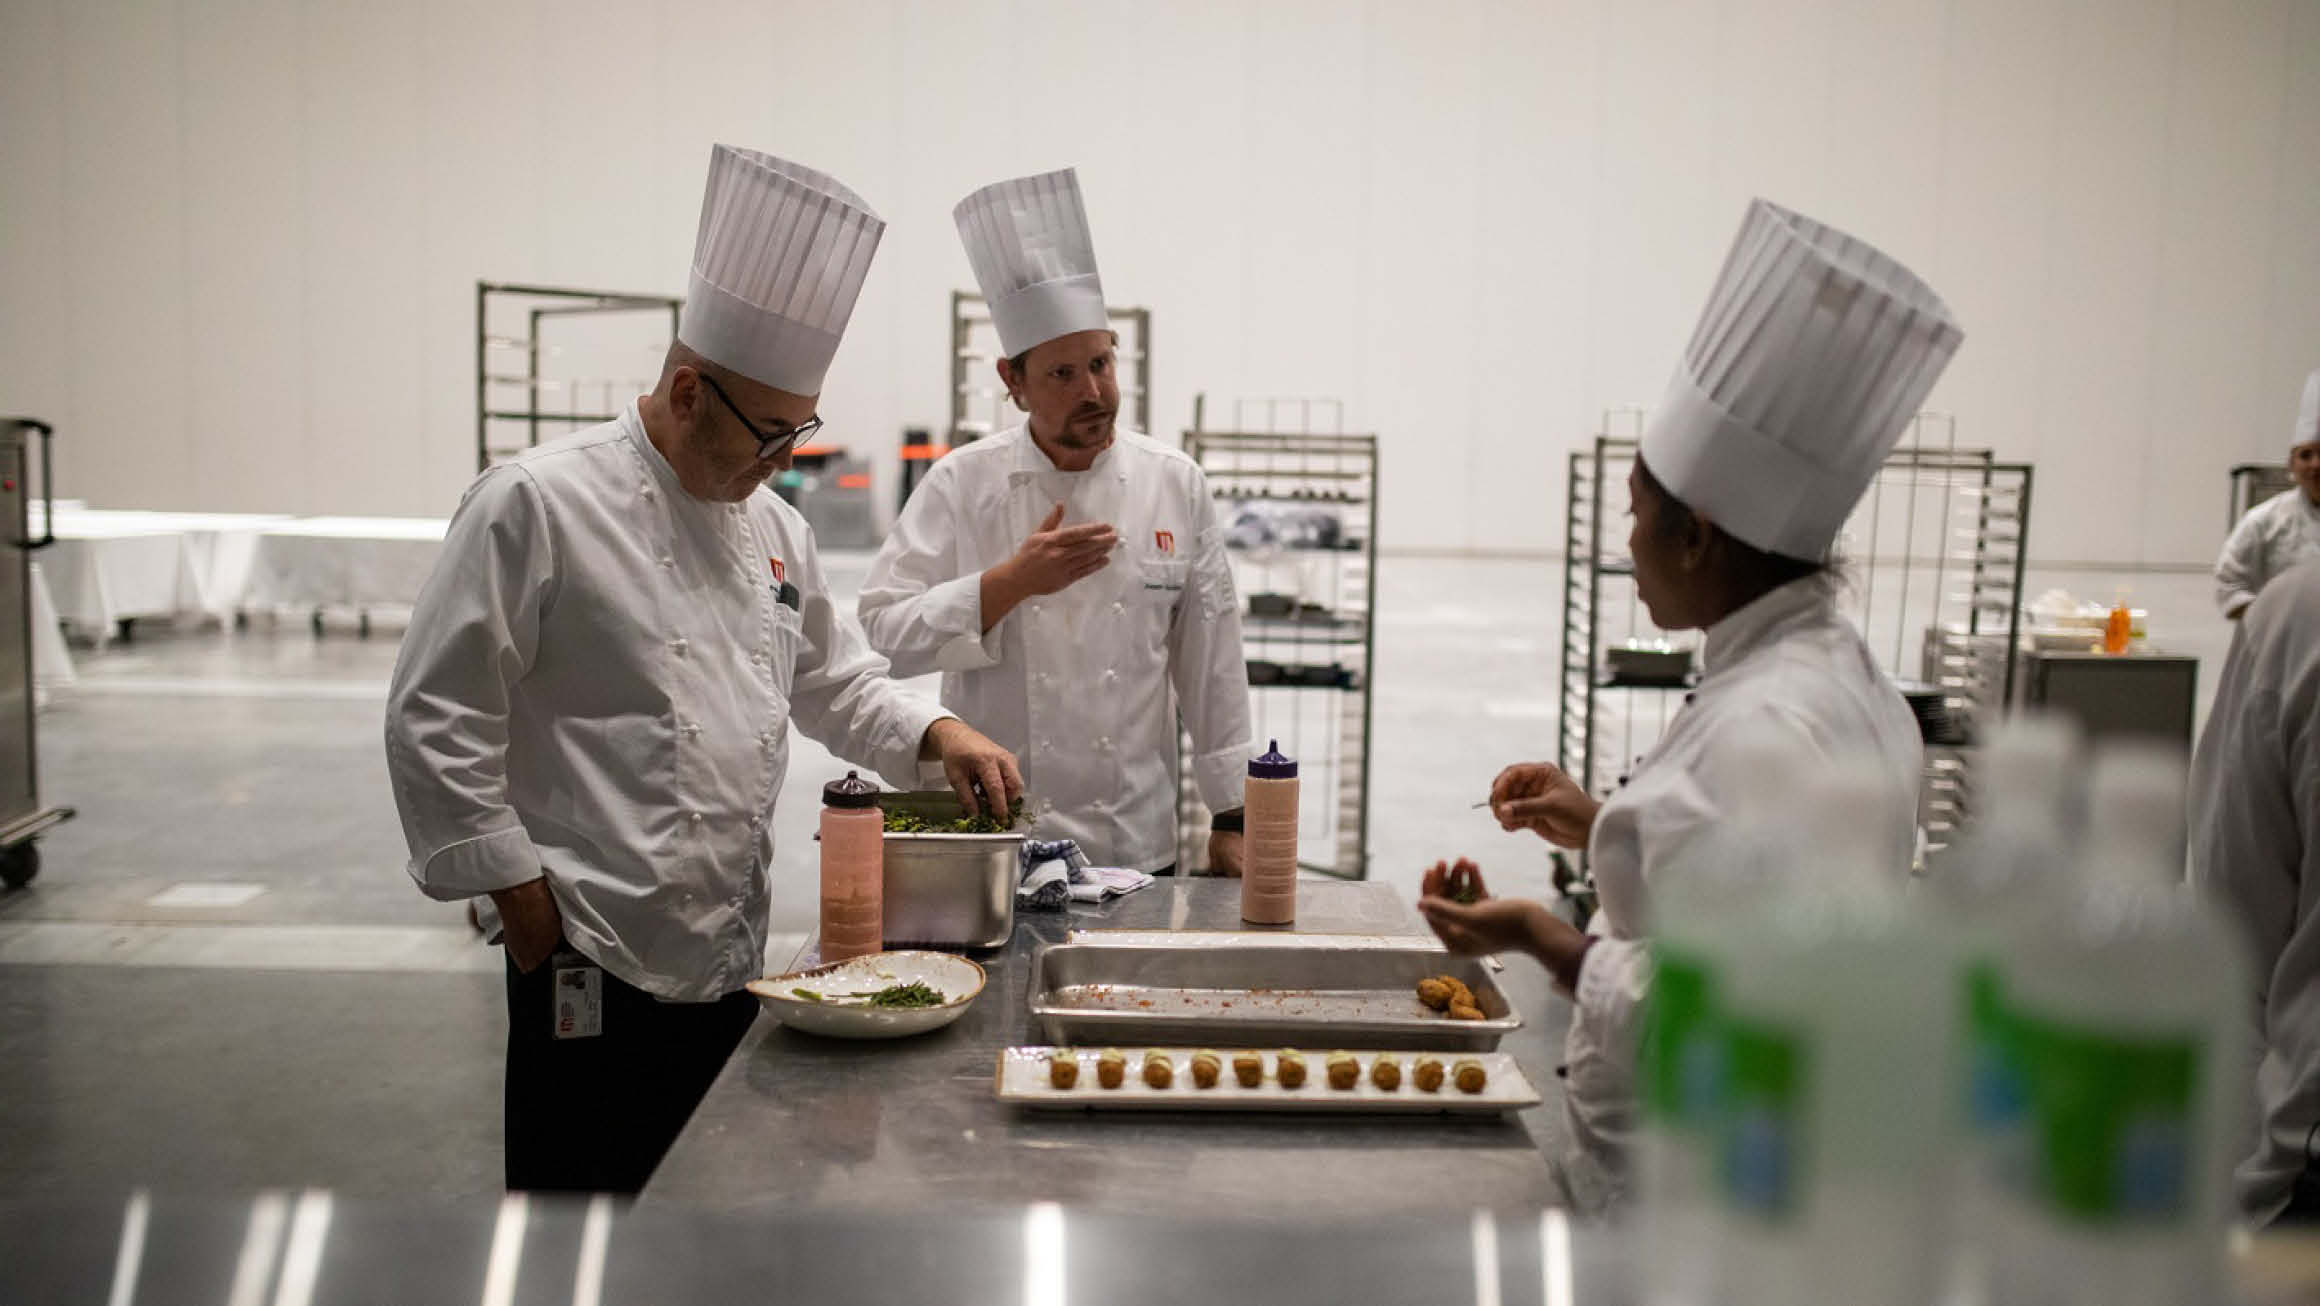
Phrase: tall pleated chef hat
[777,266]
[2308,412]
[1028,242]
[1812,357]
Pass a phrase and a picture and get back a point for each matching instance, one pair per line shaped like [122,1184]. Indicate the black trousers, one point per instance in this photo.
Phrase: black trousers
[597,1114]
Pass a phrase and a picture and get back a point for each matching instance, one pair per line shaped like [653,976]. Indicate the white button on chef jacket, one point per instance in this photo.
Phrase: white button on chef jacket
[1164,612]
[564,704]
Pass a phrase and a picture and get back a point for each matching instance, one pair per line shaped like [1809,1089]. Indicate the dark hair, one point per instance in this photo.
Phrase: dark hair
[1755,570]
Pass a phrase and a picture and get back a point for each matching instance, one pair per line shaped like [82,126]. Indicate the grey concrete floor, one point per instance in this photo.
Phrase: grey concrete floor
[337,1029]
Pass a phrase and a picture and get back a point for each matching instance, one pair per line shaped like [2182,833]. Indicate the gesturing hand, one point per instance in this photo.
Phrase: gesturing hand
[1055,556]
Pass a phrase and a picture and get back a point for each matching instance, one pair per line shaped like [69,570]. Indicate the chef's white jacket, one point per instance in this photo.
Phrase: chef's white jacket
[2274,536]
[597,686]
[1788,666]
[2254,853]
[1078,683]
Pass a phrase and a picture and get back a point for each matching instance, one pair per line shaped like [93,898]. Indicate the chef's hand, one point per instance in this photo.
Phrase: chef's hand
[1539,797]
[1055,556]
[1499,924]
[971,761]
[534,928]
[1224,853]
[1462,882]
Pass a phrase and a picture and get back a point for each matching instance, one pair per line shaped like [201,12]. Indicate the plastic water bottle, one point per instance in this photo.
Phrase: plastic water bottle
[2130,1038]
[2005,888]
[1702,905]
[1840,1045]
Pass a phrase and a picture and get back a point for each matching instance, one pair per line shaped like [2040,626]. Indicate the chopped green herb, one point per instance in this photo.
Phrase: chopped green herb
[907,995]
[980,823]
[808,994]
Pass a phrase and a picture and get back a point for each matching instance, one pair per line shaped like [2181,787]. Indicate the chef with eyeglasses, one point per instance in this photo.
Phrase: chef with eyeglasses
[589,719]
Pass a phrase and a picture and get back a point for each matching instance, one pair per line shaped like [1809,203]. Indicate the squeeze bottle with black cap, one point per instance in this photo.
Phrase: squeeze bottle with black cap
[1269,853]
[853,869]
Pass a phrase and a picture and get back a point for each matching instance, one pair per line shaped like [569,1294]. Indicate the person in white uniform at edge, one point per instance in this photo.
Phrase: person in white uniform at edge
[1813,355]
[589,719]
[1065,574]
[2283,530]
[2256,855]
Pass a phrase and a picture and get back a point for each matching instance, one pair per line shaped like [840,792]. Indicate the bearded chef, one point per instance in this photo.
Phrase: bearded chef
[1813,355]
[589,719]
[1067,576]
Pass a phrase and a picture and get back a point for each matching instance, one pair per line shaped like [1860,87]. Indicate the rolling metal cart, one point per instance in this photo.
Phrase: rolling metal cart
[2252,484]
[979,405]
[604,354]
[1299,509]
[1939,545]
[23,818]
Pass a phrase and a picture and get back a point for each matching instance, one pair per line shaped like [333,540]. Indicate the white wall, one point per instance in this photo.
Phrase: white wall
[239,238]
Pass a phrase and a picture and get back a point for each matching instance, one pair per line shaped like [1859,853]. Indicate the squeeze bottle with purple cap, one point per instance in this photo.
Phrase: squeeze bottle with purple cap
[1269,854]
[853,869]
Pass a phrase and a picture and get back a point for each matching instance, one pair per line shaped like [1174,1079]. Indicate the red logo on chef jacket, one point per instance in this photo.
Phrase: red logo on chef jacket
[778,577]
[1166,540]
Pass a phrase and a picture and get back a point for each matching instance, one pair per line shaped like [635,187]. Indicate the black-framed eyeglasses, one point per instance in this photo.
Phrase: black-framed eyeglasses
[768,443]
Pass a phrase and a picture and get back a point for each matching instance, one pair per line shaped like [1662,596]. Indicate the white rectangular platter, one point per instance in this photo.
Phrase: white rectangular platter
[1022,1078]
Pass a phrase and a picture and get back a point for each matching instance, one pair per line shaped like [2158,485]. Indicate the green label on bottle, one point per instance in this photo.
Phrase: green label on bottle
[1997,1102]
[1678,1056]
[1760,1153]
[2110,1119]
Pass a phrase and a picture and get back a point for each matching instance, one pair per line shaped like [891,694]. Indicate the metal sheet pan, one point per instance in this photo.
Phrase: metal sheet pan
[1258,989]
[1022,1078]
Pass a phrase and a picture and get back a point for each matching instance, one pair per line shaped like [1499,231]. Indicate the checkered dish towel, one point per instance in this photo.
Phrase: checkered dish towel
[1056,871]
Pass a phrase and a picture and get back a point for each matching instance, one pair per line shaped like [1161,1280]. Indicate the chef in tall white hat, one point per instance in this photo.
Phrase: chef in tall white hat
[589,719]
[1813,355]
[2283,530]
[1067,576]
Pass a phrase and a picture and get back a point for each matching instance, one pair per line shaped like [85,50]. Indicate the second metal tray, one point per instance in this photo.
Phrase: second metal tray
[1258,989]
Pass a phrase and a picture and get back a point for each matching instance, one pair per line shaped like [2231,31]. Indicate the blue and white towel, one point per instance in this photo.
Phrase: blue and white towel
[1056,871]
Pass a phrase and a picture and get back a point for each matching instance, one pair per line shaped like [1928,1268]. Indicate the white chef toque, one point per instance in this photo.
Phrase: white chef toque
[1028,242]
[1812,357]
[2308,412]
[777,266]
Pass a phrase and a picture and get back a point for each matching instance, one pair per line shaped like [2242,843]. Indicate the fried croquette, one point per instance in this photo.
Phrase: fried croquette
[1249,1068]
[1385,1072]
[1289,1068]
[1427,1074]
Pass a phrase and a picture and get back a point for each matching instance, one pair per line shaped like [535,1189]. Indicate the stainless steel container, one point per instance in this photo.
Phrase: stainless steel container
[1257,989]
[948,890]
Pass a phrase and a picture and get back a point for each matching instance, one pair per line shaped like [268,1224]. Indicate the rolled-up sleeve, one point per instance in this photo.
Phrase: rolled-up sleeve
[1208,666]
[843,696]
[473,634]
[917,608]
